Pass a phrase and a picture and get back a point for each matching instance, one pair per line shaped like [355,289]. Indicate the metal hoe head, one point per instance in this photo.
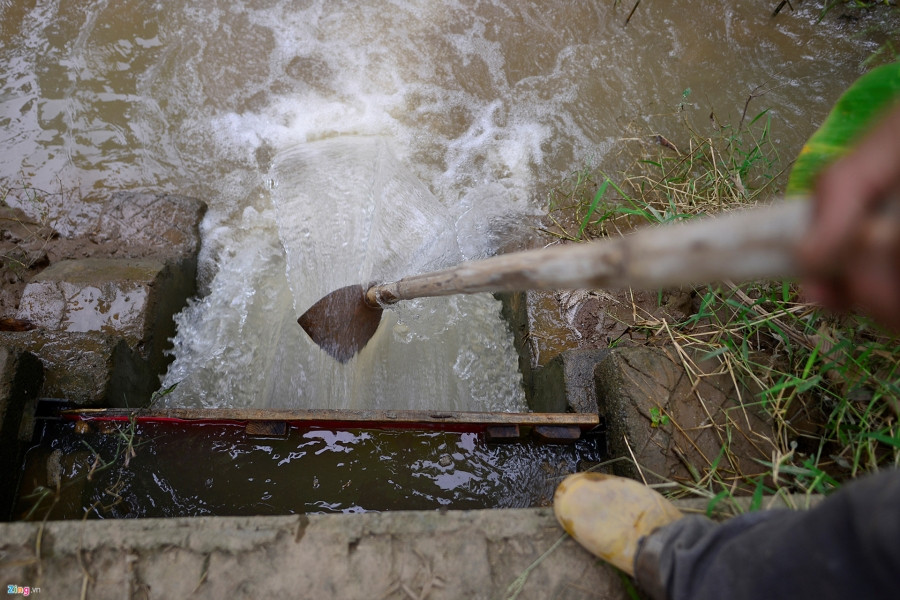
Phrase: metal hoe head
[342,322]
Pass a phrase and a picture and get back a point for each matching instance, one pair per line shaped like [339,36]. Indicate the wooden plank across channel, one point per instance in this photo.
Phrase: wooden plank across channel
[500,424]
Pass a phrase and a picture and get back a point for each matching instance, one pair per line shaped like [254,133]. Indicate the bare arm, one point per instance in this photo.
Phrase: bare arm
[854,258]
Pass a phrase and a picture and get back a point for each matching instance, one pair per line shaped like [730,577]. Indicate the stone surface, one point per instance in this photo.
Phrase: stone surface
[513,310]
[20,381]
[120,266]
[119,225]
[566,383]
[94,294]
[676,425]
[546,324]
[124,297]
[132,224]
[539,334]
[164,224]
[88,368]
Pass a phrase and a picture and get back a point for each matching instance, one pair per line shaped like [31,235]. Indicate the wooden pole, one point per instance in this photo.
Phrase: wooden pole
[744,245]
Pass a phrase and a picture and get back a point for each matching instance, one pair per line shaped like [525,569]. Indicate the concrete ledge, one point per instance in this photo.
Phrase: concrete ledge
[88,368]
[541,337]
[451,555]
[120,267]
[130,298]
[566,383]
[675,425]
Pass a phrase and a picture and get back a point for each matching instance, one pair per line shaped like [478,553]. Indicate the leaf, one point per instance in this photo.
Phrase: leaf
[759,116]
[597,197]
[756,500]
[856,111]
[884,439]
[714,353]
[714,501]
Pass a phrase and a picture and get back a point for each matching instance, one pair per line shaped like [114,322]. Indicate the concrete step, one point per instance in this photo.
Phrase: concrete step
[484,554]
[452,555]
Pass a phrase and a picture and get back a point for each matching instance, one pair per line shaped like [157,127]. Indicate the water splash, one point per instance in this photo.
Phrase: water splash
[346,211]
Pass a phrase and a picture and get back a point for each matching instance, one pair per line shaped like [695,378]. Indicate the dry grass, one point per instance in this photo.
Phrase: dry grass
[25,238]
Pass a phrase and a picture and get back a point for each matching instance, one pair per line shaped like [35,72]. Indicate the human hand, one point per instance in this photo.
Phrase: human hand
[852,251]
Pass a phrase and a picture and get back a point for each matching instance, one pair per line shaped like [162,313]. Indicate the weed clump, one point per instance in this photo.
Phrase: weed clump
[710,173]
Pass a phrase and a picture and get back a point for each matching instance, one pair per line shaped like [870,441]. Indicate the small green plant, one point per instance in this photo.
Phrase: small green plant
[658,418]
[684,96]
[572,202]
[831,386]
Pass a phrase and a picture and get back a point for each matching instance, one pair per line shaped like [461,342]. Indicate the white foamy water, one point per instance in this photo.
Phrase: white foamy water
[346,211]
[339,143]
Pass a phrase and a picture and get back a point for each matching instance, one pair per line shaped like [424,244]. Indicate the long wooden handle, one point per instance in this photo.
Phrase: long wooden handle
[756,243]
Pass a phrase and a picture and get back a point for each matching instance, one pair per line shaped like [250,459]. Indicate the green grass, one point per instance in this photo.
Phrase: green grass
[830,384]
[710,174]
[127,442]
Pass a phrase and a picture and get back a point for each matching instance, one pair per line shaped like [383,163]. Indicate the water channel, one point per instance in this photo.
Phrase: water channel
[344,142]
[309,470]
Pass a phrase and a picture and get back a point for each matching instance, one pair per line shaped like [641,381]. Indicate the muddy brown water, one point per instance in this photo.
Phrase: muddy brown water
[462,112]
[312,470]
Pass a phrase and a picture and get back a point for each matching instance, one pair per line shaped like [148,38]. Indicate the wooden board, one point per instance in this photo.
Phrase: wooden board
[375,419]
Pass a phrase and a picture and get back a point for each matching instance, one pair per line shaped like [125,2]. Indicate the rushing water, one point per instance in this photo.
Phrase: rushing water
[340,142]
